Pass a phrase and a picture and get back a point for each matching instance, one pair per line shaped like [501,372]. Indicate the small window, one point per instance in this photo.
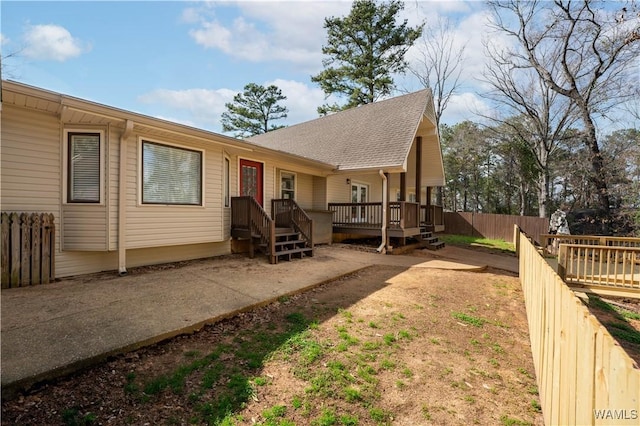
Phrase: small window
[171,175]
[226,182]
[288,185]
[83,181]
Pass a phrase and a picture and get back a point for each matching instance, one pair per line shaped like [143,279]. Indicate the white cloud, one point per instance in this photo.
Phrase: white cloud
[302,100]
[52,42]
[202,106]
[3,39]
[466,106]
[269,31]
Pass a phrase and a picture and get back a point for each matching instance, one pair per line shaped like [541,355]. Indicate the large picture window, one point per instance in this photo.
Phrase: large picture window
[83,178]
[171,175]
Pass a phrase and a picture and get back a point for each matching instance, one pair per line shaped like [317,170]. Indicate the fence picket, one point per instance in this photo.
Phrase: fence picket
[6,275]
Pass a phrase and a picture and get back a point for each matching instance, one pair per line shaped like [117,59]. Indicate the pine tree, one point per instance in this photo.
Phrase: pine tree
[252,112]
[364,50]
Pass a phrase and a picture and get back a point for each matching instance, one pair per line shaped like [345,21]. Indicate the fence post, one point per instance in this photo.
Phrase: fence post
[562,258]
[15,249]
[516,238]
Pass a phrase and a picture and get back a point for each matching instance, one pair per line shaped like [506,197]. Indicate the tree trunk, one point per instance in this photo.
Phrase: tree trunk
[597,175]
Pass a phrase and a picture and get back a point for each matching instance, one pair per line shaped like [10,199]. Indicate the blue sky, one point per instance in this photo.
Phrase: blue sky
[183,60]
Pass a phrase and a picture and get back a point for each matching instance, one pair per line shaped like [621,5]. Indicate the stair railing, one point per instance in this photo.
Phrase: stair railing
[248,213]
[287,213]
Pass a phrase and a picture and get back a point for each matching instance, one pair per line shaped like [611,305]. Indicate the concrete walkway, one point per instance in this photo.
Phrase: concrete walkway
[51,330]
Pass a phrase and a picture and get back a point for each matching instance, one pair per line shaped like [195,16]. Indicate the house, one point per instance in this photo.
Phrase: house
[128,190]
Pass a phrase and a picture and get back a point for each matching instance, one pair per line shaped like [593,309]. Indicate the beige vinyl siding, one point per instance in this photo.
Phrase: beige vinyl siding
[304,190]
[164,225]
[70,263]
[432,169]
[337,189]
[319,193]
[31,179]
[85,227]
[159,255]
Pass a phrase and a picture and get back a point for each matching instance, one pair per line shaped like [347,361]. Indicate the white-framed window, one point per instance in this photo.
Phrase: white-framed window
[411,198]
[226,175]
[84,165]
[171,174]
[287,185]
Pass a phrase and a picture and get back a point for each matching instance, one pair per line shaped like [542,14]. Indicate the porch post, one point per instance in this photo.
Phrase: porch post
[427,216]
[386,242]
[418,169]
[403,186]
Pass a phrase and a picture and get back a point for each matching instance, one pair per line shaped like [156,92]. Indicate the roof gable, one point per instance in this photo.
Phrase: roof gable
[376,135]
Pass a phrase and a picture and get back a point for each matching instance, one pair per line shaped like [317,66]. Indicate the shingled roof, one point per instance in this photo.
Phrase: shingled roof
[376,135]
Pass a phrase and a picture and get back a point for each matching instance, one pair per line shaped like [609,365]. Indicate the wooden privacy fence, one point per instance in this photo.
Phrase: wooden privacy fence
[584,377]
[495,226]
[28,249]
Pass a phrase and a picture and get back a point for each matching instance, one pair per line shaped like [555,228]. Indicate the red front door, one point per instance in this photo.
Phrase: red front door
[251,179]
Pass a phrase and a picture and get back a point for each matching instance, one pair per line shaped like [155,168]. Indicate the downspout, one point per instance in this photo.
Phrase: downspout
[382,249]
[122,200]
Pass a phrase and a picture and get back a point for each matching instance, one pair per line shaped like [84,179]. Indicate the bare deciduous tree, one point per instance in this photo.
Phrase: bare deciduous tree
[439,67]
[592,50]
[535,114]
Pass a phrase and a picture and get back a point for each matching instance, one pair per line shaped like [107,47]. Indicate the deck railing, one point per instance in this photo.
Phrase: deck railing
[432,214]
[287,213]
[605,266]
[400,215]
[247,213]
[551,242]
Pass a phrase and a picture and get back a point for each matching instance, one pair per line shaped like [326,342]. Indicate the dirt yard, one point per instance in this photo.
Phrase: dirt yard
[384,346]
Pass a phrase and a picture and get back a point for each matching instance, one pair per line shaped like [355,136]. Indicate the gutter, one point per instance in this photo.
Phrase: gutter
[122,199]
[382,249]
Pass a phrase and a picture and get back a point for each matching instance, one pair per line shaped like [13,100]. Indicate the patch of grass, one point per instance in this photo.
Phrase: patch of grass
[624,331]
[426,413]
[371,346]
[435,340]
[533,390]
[404,334]
[467,241]
[379,415]
[470,399]
[73,417]
[389,339]
[327,418]
[627,314]
[406,372]
[373,325]
[348,420]
[352,394]
[192,354]
[494,362]
[346,315]
[475,342]
[387,364]
[274,412]
[296,402]
[468,319]
[400,384]
[536,406]
[497,348]
[260,381]
[510,421]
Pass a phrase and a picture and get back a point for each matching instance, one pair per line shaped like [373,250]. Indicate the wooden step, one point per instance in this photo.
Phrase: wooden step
[294,242]
[436,245]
